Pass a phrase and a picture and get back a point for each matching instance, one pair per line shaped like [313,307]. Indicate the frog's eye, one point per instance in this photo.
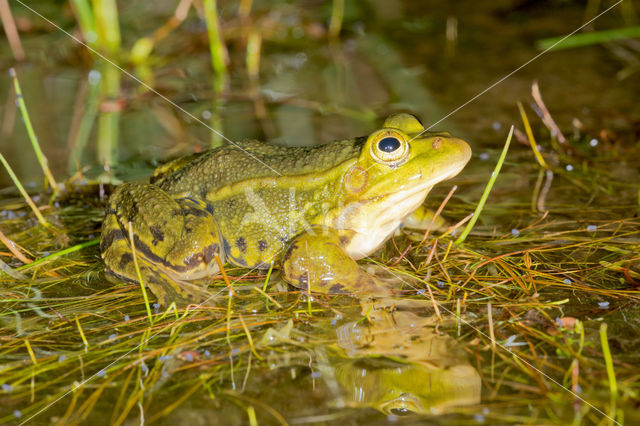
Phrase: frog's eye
[389,146]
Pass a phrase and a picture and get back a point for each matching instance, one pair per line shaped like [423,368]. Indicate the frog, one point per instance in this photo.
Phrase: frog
[312,211]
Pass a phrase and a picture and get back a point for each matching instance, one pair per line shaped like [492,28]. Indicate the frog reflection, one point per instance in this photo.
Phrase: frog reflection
[399,365]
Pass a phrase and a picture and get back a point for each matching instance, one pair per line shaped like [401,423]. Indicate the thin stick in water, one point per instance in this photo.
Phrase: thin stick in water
[31,354]
[9,25]
[546,115]
[492,336]
[82,336]
[532,141]
[437,213]
[14,248]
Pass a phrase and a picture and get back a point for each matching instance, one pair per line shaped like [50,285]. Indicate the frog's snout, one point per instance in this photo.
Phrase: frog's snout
[454,154]
[458,150]
[465,149]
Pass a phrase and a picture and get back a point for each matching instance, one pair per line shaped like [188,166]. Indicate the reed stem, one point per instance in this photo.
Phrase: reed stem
[44,162]
[11,31]
[337,15]
[218,53]
[108,39]
[86,21]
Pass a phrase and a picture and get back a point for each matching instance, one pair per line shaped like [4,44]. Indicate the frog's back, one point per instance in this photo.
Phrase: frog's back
[203,173]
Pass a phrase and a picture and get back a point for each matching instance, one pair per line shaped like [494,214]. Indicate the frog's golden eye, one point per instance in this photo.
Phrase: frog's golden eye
[389,146]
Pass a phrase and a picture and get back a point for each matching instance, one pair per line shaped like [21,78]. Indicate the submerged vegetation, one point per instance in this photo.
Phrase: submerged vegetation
[529,315]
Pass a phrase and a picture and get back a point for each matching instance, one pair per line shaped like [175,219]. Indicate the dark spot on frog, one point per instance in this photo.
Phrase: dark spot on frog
[289,252]
[196,212]
[262,245]
[147,253]
[241,243]
[194,260]
[337,288]
[239,261]
[133,211]
[226,255]
[109,238]
[210,252]
[151,279]
[303,279]
[226,246]
[157,233]
[125,260]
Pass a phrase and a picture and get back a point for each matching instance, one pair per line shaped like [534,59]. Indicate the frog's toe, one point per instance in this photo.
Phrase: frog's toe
[182,293]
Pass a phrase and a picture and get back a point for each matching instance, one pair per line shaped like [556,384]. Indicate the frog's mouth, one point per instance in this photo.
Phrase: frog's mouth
[405,199]
[396,206]
[375,219]
[382,207]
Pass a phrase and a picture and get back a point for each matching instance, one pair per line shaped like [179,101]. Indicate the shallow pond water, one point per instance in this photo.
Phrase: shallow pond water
[505,329]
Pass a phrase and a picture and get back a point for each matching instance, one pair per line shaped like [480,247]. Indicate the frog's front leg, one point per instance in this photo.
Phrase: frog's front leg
[423,218]
[175,240]
[316,261]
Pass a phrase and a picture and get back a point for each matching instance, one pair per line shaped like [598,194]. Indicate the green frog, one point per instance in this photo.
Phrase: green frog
[311,211]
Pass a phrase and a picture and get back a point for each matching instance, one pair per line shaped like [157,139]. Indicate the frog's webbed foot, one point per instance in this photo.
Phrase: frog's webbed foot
[175,240]
[166,289]
[317,262]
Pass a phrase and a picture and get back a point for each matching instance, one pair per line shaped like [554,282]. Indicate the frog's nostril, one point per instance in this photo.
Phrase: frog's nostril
[437,143]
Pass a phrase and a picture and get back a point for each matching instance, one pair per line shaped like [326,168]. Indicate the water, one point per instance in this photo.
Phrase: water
[429,58]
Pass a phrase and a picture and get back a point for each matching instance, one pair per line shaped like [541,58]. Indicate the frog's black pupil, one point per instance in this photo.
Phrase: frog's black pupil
[388,144]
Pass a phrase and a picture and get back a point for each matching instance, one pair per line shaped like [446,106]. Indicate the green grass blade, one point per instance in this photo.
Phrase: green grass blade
[487,190]
[611,375]
[24,193]
[60,253]
[589,39]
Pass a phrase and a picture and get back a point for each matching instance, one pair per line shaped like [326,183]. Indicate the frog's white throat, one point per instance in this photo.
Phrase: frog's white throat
[375,220]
